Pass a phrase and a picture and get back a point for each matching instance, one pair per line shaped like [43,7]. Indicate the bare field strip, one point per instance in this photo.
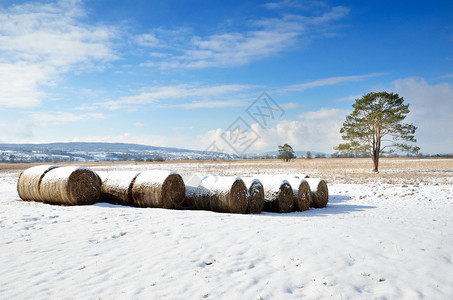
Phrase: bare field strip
[338,170]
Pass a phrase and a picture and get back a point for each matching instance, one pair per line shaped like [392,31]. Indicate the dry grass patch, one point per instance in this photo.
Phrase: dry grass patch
[333,170]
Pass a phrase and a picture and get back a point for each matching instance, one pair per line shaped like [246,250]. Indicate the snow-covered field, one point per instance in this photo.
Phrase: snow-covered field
[387,236]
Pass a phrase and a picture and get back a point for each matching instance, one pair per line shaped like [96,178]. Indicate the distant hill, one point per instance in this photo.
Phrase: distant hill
[62,152]
[57,152]
[80,146]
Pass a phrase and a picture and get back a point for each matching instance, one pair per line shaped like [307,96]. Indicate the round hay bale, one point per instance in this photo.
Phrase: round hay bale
[117,187]
[304,198]
[160,189]
[229,194]
[319,192]
[278,194]
[197,197]
[70,186]
[302,193]
[29,182]
[255,195]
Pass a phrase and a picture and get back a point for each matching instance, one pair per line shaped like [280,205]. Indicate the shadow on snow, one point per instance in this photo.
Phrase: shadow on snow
[337,205]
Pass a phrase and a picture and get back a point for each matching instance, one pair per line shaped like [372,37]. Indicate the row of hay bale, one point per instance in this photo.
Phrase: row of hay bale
[164,189]
[271,193]
[82,186]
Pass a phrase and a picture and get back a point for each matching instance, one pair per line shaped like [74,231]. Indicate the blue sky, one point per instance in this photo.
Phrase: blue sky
[190,74]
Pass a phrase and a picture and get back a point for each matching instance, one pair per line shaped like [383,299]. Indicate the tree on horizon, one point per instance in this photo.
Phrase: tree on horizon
[286,153]
[376,127]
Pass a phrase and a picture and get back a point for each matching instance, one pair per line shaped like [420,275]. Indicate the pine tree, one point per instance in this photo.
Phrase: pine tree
[375,127]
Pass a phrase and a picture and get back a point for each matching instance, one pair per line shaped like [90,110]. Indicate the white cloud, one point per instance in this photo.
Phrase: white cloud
[431,110]
[178,141]
[210,104]
[265,38]
[20,131]
[295,4]
[19,84]
[147,39]
[323,113]
[40,41]
[138,124]
[316,131]
[61,117]
[349,98]
[290,105]
[330,81]
[159,94]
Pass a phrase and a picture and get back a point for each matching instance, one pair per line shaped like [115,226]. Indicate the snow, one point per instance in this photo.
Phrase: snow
[198,185]
[295,183]
[373,240]
[313,183]
[250,180]
[61,173]
[271,185]
[152,176]
[272,182]
[39,170]
[120,180]
[219,183]
[197,191]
